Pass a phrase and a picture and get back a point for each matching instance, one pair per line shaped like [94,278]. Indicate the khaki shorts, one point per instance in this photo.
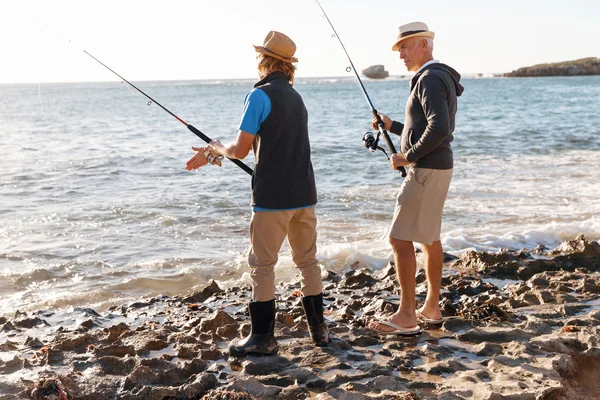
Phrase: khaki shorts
[418,215]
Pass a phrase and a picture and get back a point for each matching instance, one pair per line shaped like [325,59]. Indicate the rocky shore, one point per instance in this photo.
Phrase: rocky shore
[519,325]
[584,66]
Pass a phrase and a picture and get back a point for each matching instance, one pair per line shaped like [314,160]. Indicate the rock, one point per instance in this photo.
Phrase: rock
[146,341]
[485,349]
[358,279]
[255,388]
[29,323]
[495,335]
[442,367]
[216,320]
[115,331]
[375,72]
[265,365]
[203,383]
[204,294]
[116,366]
[584,66]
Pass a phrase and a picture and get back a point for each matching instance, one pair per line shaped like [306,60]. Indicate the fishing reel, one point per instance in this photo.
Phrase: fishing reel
[370,142]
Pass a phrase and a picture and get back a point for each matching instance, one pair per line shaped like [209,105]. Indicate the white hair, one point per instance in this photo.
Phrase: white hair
[430,43]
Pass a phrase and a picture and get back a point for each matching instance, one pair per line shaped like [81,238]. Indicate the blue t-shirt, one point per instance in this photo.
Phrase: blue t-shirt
[257,107]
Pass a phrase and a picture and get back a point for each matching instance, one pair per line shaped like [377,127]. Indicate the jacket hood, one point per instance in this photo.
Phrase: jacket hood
[453,74]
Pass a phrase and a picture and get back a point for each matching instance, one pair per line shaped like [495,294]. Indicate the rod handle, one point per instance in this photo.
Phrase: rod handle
[208,140]
[388,141]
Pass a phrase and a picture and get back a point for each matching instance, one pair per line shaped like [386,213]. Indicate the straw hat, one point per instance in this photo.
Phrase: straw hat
[279,46]
[414,29]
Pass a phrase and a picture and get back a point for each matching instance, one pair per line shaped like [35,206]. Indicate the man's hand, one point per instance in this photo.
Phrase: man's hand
[387,122]
[398,160]
[201,158]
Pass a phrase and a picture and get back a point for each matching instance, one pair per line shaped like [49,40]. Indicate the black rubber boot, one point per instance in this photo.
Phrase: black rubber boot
[261,340]
[313,308]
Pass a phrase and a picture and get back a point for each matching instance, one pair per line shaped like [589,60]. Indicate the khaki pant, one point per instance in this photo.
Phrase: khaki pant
[268,230]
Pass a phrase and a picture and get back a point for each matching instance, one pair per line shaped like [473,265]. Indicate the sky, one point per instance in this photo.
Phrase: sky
[43,41]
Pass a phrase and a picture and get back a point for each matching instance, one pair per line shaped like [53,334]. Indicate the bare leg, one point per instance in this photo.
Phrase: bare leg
[434,260]
[406,267]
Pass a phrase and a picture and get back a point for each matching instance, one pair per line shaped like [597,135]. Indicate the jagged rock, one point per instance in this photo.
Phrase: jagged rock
[202,384]
[358,279]
[216,320]
[494,335]
[205,293]
[255,388]
[375,72]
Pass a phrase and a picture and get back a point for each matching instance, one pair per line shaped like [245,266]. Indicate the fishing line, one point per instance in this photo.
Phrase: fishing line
[193,129]
[370,141]
[190,127]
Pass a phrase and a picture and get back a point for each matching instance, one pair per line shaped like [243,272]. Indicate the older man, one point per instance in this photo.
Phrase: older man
[425,147]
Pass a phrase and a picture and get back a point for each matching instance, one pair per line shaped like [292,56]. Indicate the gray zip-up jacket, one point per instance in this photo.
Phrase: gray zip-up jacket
[429,117]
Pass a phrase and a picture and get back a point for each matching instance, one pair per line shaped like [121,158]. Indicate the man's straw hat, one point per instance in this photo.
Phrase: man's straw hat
[414,29]
[279,46]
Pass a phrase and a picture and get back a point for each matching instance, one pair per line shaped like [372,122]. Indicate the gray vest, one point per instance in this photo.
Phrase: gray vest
[283,173]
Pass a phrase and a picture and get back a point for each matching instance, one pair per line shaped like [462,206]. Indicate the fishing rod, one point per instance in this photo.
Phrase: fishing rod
[190,127]
[370,141]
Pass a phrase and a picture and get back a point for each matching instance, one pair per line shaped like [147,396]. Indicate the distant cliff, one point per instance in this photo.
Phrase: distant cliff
[375,72]
[585,66]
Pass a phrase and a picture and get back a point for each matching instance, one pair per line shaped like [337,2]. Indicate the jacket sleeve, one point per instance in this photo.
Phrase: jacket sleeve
[397,128]
[432,94]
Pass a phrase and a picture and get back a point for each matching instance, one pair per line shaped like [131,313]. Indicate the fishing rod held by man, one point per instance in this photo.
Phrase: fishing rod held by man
[381,131]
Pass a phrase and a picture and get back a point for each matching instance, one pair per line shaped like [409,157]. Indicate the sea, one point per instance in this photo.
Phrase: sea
[97,209]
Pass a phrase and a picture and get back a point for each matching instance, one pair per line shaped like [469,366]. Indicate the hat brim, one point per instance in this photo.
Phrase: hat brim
[269,53]
[428,34]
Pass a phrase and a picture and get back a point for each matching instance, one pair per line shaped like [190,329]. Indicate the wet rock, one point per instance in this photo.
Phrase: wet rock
[216,320]
[265,365]
[485,349]
[221,394]
[204,294]
[33,342]
[501,264]
[442,367]
[378,306]
[73,342]
[202,384]
[255,388]
[494,335]
[388,271]
[579,246]
[146,341]
[28,323]
[8,367]
[114,350]
[341,394]
[7,327]
[533,267]
[364,341]
[294,392]
[116,366]
[115,331]
[358,279]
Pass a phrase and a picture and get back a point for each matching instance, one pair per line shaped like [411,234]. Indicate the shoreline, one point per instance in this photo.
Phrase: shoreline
[519,324]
